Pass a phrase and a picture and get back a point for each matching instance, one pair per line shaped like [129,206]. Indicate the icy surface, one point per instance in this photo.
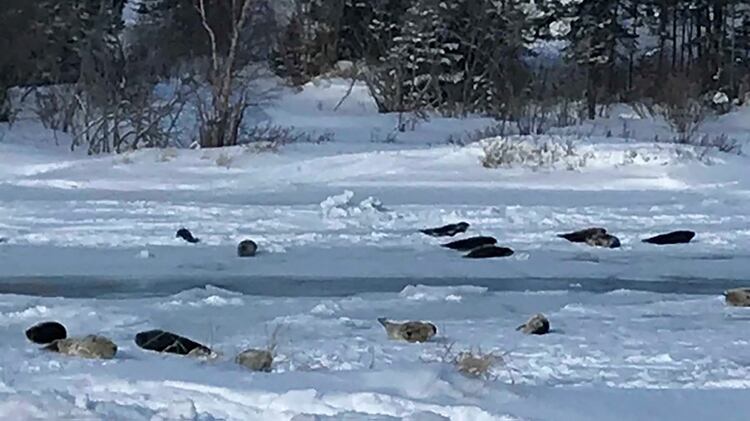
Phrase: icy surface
[638,333]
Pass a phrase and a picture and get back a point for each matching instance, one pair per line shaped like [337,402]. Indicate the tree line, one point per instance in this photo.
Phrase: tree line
[533,63]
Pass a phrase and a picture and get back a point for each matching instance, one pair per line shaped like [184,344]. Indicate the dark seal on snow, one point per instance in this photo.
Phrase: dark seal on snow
[538,324]
[449,230]
[161,341]
[469,244]
[583,235]
[186,235]
[674,237]
[488,252]
[46,332]
[247,248]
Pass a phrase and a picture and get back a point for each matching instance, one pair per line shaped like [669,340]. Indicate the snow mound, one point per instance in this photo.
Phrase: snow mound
[210,296]
[429,293]
[343,206]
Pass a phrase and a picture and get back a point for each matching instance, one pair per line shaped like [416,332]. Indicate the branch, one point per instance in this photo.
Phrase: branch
[200,6]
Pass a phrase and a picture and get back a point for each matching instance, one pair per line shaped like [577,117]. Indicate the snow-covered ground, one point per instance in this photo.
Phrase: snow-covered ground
[640,332]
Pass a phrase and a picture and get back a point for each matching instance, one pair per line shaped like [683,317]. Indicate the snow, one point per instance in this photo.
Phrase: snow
[638,333]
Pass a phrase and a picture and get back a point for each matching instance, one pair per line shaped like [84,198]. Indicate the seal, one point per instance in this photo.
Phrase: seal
[674,237]
[186,235]
[737,297]
[91,346]
[247,248]
[46,332]
[449,230]
[488,252]
[583,235]
[409,331]
[536,325]
[470,243]
[162,341]
[605,240]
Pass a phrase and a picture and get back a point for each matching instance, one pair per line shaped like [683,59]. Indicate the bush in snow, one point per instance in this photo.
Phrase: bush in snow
[681,106]
[476,364]
[224,160]
[722,143]
[270,138]
[532,152]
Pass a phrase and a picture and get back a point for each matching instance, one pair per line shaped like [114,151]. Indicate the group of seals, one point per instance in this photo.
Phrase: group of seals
[54,337]
[418,331]
[246,248]
[479,247]
[598,237]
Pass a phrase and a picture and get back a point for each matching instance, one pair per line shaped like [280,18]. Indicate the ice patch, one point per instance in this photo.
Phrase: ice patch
[327,308]
[343,206]
[29,313]
[451,293]
[145,254]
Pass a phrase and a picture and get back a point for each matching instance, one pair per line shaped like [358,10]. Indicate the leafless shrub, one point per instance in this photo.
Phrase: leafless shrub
[721,143]
[224,160]
[477,364]
[495,130]
[167,154]
[270,138]
[232,87]
[377,137]
[680,104]
[56,106]
[532,152]
[115,107]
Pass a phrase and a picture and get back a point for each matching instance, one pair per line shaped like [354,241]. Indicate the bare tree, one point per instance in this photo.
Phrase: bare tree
[230,86]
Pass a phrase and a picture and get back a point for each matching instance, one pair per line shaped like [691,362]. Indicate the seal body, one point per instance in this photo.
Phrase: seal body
[247,248]
[738,297]
[46,332]
[583,235]
[449,230]
[91,346]
[409,331]
[255,360]
[604,240]
[471,243]
[186,235]
[538,324]
[674,237]
[162,341]
[488,252]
